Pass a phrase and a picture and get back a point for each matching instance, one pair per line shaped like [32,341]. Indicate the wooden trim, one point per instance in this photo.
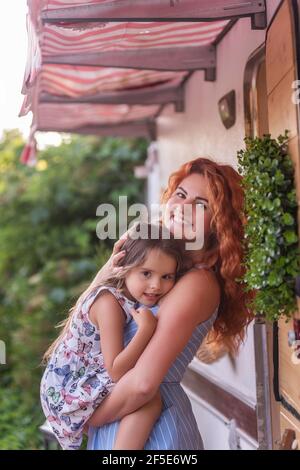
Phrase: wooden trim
[274,15]
[172,58]
[223,401]
[250,91]
[161,10]
[128,129]
[157,94]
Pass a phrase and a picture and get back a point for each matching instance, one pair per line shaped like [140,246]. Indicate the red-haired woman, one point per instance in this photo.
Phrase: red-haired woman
[208,298]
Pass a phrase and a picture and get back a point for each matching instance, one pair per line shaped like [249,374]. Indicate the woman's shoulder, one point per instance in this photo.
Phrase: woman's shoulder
[200,290]
[205,275]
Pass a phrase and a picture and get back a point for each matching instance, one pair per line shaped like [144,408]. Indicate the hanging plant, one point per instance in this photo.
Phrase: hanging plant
[271,242]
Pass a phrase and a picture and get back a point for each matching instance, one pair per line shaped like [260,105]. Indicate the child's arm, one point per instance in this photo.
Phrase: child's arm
[108,314]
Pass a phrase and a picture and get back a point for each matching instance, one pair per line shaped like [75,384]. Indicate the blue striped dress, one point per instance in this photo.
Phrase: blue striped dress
[176,428]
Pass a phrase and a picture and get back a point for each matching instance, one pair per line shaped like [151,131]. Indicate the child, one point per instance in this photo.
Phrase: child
[81,371]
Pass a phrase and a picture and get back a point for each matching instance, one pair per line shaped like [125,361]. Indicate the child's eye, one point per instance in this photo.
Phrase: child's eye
[146,273]
[169,276]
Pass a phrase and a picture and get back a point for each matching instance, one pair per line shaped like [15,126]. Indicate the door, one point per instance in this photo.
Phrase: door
[283,113]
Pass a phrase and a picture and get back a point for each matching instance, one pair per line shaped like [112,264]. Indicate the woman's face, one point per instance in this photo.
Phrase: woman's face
[192,191]
[153,279]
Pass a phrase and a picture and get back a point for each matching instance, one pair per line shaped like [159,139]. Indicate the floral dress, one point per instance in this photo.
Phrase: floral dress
[75,380]
[176,427]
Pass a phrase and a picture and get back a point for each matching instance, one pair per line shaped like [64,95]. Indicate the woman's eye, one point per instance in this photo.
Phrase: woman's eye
[202,204]
[181,195]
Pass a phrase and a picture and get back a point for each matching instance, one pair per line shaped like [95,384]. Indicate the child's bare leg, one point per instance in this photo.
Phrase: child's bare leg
[135,428]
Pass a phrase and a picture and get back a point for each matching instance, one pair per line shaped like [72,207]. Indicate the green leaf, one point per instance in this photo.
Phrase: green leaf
[287,219]
[290,237]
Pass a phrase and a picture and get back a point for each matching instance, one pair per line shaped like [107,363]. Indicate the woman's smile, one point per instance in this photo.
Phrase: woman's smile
[179,217]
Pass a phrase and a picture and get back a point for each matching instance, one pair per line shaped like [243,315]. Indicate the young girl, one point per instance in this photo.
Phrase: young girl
[81,370]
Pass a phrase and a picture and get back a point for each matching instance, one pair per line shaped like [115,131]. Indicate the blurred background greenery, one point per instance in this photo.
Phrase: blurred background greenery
[49,252]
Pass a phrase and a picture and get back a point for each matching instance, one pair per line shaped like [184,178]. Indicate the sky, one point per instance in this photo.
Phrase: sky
[13,54]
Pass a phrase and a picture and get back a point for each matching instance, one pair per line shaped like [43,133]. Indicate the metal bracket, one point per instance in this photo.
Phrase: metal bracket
[259,21]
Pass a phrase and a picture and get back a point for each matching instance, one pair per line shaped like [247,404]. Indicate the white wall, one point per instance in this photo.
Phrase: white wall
[199,130]
[153,192]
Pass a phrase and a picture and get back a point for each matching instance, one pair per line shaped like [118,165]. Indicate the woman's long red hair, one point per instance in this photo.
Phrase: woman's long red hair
[224,248]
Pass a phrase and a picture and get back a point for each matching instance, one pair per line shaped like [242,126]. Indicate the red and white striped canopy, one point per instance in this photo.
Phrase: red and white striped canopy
[109,66]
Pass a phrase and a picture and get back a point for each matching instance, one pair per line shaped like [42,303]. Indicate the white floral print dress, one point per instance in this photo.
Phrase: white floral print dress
[75,380]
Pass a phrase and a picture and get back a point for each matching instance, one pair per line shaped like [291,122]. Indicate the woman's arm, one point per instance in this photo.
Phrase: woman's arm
[109,317]
[111,266]
[191,301]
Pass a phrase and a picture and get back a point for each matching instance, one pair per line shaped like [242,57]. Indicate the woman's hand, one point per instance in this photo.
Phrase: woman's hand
[145,320]
[117,254]
[112,264]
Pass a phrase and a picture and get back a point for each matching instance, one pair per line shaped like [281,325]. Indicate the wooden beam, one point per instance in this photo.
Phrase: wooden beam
[171,59]
[223,401]
[157,94]
[161,10]
[146,128]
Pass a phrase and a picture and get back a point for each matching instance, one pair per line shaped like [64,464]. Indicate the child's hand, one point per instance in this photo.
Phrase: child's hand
[145,319]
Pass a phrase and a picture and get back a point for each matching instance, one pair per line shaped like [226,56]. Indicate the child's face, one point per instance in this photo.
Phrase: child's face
[153,279]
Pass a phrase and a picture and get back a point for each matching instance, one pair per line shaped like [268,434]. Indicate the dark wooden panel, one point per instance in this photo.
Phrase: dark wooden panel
[157,94]
[164,58]
[224,402]
[128,129]
[161,10]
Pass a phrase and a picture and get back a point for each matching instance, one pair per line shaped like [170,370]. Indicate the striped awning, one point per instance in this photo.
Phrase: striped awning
[108,67]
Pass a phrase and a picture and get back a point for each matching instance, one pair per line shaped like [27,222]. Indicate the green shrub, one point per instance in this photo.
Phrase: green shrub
[49,252]
[272,260]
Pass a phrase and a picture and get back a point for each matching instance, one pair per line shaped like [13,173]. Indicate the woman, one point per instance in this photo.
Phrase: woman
[207,298]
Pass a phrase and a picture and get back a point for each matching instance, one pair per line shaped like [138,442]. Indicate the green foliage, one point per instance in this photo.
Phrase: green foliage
[18,422]
[49,252]
[272,260]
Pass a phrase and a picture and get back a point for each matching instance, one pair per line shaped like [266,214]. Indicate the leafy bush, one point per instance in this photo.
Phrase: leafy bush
[271,232]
